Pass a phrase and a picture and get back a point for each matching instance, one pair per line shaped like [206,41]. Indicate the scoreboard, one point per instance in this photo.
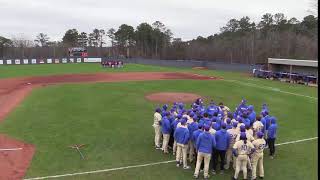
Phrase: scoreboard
[77,52]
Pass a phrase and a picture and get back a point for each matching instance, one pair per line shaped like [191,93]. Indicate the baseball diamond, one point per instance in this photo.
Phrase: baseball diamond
[46,109]
[158,90]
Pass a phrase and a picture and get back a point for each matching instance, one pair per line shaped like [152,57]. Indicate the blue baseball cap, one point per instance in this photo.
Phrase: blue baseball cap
[235,124]
[260,134]
[242,128]
[223,125]
[158,110]
[206,127]
[228,120]
[183,121]
[214,119]
[200,125]
[243,136]
[165,107]
[195,117]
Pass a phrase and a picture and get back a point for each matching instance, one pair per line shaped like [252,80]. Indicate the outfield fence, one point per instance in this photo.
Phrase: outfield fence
[214,65]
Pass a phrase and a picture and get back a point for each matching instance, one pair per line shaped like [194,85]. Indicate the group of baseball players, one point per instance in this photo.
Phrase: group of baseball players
[217,136]
[112,64]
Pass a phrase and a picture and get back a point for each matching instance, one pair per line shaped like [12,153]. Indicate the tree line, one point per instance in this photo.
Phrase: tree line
[240,40]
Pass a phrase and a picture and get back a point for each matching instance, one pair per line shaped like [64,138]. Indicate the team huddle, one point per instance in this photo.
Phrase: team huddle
[217,136]
[112,64]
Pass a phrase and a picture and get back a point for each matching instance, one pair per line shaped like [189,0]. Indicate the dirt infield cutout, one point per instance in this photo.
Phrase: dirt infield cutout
[171,97]
[200,68]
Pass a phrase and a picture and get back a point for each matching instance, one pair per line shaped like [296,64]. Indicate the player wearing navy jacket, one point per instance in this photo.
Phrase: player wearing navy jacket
[205,144]
[182,136]
[272,135]
[222,144]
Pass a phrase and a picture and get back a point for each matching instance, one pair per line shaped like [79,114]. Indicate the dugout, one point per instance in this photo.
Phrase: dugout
[305,67]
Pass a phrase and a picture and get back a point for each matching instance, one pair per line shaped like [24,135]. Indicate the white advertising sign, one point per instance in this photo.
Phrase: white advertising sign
[17,61]
[33,61]
[71,60]
[25,61]
[64,60]
[92,59]
[9,61]
[78,60]
[56,61]
[1,61]
[49,61]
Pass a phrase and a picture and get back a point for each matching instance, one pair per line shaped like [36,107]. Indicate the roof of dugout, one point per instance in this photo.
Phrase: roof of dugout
[293,62]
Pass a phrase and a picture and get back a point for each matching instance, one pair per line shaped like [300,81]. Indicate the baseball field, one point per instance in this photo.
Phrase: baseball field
[111,116]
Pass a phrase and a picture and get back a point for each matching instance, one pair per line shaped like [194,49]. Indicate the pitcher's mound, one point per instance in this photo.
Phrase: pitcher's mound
[200,68]
[171,97]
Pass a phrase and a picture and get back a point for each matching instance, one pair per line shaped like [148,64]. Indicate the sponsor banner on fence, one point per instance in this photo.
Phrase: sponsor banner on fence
[1,61]
[9,61]
[92,60]
[25,61]
[64,60]
[49,61]
[41,61]
[57,61]
[17,61]
[78,60]
[34,61]
[71,60]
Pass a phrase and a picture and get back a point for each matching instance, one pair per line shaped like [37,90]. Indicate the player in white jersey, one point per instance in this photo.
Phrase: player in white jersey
[257,126]
[257,157]
[233,135]
[241,149]
[248,135]
[157,128]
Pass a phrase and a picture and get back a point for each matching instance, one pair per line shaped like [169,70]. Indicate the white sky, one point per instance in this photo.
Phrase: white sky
[186,18]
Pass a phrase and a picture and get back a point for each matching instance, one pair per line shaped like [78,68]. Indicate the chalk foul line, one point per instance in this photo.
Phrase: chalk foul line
[297,141]
[270,88]
[141,165]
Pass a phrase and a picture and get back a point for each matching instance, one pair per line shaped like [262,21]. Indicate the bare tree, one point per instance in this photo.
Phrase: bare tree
[22,42]
[42,39]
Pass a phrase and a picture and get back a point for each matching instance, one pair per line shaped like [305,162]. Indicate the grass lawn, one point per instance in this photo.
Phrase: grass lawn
[115,120]
[53,69]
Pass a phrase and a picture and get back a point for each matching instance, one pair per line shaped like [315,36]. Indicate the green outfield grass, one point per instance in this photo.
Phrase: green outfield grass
[115,120]
[53,69]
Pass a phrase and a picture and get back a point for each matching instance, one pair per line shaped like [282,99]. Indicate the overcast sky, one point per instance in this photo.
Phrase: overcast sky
[186,18]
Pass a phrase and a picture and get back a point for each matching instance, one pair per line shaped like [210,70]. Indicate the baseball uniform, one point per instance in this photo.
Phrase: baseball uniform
[257,157]
[242,149]
[157,128]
